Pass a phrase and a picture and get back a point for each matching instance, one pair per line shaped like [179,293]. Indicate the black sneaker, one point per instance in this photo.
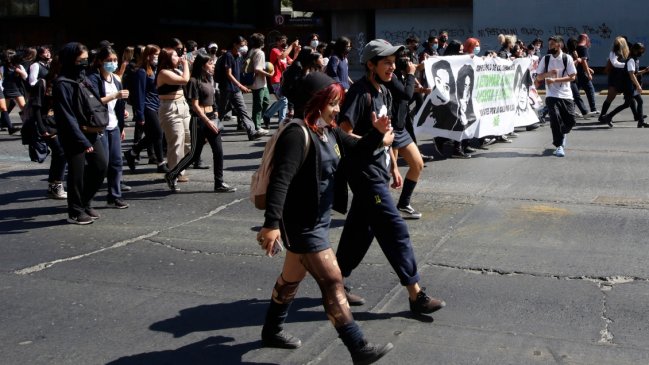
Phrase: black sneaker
[255,136]
[13,130]
[280,340]
[117,203]
[172,183]
[81,219]
[93,213]
[224,188]
[425,304]
[266,122]
[130,160]
[458,153]
[200,166]
[353,299]
[163,169]
[408,212]
[370,353]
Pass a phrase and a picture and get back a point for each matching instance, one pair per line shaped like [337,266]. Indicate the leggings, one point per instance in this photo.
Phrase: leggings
[152,135]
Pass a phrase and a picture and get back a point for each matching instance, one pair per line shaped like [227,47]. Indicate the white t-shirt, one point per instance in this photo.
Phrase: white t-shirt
[258,62]
[559,90]
[111,88]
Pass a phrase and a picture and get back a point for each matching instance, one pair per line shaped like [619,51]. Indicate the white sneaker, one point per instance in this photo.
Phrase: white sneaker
[262,130]
[559,152]
[56,191]
[408,212]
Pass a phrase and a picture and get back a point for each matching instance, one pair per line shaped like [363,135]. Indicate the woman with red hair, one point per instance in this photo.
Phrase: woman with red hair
[299,201]
[472,46]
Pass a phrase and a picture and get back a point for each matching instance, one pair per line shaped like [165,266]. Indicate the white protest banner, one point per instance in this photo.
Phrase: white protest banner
[475,97]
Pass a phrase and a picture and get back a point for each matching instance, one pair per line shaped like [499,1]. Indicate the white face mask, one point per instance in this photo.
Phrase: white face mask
[154,61]
[243,50]
[314,43]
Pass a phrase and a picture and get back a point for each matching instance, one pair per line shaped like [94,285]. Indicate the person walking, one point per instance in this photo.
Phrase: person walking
[146,103]
[302,180]
[205,118]
[585,73]
[83,149]
[257,65]
[617,76]
[373,213]
[174,112]
[108,86]
[228,70]
[280,57]
[558,70]
[338,65]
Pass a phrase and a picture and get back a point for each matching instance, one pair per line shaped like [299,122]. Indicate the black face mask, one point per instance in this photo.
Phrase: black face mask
[180,52]
[553,51]
[443,40]
[213,50]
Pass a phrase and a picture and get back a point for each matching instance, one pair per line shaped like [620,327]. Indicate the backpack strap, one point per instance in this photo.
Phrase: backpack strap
[564,58]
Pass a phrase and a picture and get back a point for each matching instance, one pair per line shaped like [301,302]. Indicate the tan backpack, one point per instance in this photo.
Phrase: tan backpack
[261,177]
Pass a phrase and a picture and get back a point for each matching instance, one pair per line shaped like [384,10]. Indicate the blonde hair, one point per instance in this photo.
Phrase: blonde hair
[620,47]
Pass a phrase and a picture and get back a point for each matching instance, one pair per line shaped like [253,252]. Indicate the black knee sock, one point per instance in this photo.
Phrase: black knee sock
[352,336]
[605,107]
[275,317]
[6,119]
[406,192]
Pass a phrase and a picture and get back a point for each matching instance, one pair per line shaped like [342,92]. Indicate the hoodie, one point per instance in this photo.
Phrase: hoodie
[66,107]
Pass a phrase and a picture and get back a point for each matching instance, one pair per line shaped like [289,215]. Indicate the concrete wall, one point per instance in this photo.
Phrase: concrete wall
[602,20]
[396,25]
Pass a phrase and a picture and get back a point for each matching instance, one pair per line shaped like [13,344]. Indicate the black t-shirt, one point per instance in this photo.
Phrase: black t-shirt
[201,90]
[357,109]
[582,52]
[228,61]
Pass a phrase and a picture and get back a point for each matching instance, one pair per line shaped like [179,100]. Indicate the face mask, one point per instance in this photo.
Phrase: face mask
[110,66]
[154,62]
[243,50]
[476,51]
[553,51]
[436,46]
[180,52]
[213,50]
[314,44]
[443,40]
[83,63]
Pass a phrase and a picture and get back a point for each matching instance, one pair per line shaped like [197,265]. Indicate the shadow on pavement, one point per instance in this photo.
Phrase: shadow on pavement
[210,351]
[242,313]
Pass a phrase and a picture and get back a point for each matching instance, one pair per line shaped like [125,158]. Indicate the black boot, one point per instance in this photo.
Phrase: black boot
[272,334]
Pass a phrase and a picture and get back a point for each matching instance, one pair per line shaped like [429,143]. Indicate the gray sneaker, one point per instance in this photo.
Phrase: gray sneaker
[56,191]
[408,212]
[81,219]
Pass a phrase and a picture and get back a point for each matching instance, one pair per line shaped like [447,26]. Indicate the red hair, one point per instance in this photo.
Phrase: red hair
[470,44]
[319,101]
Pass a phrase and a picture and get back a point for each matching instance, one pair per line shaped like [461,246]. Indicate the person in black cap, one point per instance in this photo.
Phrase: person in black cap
[299,200]
[373,212]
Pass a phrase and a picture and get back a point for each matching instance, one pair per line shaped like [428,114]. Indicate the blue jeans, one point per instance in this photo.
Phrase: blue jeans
[113,147]
[589,89]
[280,106]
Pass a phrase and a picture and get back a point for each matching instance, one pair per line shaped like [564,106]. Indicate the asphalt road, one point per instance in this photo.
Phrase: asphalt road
[541,260]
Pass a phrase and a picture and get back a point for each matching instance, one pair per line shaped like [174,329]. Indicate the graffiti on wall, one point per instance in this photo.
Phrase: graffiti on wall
[602,31]
[399,36]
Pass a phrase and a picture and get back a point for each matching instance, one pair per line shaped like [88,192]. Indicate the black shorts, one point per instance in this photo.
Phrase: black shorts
[401,139]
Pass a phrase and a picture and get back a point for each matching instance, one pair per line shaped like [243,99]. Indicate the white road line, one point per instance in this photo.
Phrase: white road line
[46,265]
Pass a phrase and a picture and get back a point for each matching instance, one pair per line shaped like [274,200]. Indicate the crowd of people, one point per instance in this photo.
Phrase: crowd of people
[180,95]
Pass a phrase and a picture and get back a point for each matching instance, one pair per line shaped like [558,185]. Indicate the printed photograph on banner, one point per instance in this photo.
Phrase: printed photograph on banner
[476,97]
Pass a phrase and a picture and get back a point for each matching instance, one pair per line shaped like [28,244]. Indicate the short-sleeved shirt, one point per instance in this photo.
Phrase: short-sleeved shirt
[280,65]
[559,90]
[258,62]
[582,52]
[357,109]
[232,63]
[201,90]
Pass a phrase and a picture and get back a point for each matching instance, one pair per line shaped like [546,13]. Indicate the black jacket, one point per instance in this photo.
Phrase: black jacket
[97,83]
[402,91]
[294,188]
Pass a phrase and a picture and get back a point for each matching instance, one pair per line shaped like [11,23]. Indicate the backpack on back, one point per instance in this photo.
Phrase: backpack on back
[92,114]
[261,177]
[248,73]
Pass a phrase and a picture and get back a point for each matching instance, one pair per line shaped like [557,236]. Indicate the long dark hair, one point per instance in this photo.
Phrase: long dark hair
[68,58]
[165,60]
[197,68]
[103,54]
[340,48]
